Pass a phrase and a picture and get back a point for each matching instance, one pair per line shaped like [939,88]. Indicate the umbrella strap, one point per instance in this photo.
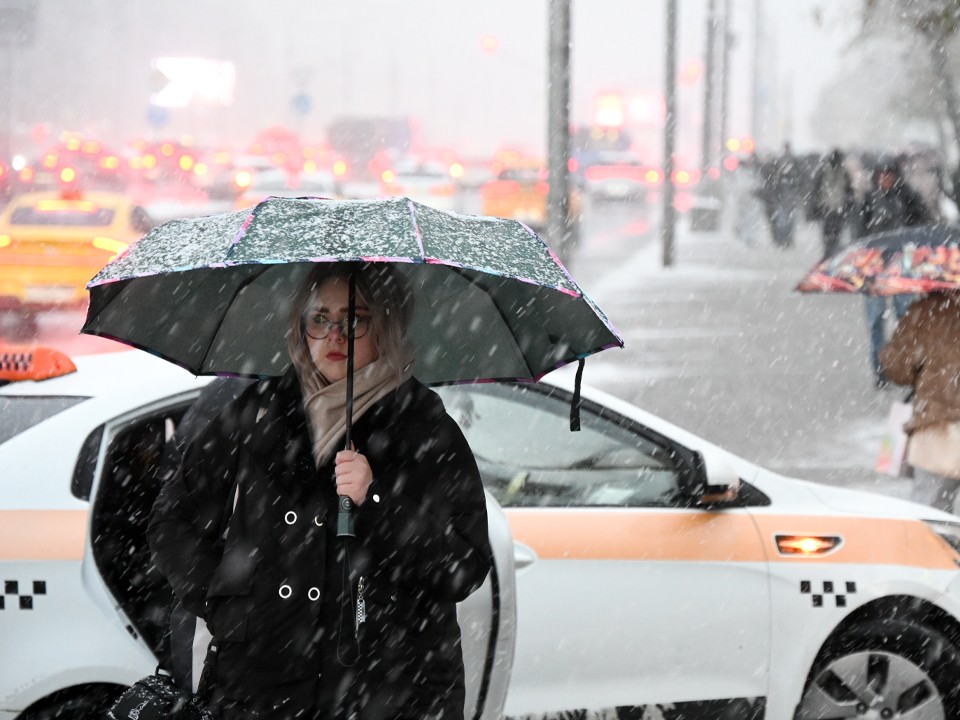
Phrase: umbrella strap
[575,402]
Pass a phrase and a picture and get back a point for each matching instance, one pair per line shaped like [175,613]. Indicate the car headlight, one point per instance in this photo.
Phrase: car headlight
[950,532]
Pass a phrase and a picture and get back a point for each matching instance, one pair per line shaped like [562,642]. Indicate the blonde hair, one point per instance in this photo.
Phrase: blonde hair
[387,295]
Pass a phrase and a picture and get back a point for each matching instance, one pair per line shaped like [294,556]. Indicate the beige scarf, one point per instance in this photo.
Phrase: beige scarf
[325,403]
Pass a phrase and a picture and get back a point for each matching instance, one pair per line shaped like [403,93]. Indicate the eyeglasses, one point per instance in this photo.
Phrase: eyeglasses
[318,327]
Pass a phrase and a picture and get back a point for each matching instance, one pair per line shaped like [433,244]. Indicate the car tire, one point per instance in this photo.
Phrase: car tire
[884,668]
[89,704]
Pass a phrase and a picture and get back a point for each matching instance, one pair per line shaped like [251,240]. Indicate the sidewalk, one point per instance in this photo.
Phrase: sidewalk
[720,344]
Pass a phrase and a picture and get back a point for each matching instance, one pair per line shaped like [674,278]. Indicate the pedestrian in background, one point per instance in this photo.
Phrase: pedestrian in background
[891,204]
[832,199]
[924,354]
[782,181]
[748,189]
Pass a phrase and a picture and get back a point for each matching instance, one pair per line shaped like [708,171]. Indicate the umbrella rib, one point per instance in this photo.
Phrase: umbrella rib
[262,269]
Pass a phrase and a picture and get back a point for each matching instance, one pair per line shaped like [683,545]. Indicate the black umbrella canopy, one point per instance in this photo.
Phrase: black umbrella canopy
[213,294]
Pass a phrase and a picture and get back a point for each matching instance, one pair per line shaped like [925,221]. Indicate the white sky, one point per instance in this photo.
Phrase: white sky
[89,63]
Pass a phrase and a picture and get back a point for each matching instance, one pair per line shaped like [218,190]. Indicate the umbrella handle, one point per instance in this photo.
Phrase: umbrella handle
[345,504]
[345,517]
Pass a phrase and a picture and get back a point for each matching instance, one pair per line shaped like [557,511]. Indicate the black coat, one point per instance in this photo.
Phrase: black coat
[278,594]
[900,206]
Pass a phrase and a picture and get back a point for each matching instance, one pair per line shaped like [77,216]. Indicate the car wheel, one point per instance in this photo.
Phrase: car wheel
[90,704]
[884,669]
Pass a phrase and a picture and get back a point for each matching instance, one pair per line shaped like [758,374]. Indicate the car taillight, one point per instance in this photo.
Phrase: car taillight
[109,162]
[340,168]
[243,179]
[110,245]
[543,188]
[442,190]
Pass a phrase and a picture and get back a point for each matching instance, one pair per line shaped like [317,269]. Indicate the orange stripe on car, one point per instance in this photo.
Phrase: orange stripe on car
[42,534]
[702,536]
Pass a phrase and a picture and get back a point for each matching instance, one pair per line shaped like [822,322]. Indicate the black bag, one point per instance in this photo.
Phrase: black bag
[157,697]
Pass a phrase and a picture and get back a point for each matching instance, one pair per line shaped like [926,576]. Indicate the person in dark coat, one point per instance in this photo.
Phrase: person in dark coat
[782,179]
[309,624]
[832,199]
[891,204]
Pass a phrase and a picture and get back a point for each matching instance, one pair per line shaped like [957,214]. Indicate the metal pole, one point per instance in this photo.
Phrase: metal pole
[669,134]
[724,95]
[559,231]
[706,157]
[755,129]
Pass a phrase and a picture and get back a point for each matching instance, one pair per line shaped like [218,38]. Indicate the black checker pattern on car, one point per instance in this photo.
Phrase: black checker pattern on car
[828,593]
[15,598]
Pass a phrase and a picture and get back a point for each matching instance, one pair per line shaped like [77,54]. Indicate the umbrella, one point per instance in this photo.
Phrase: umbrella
[916,259]
[212,294]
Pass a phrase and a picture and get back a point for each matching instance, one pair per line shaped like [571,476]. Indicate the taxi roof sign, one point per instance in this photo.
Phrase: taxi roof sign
[32,362]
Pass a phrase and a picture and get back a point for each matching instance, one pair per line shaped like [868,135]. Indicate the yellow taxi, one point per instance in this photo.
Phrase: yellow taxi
[520,193]
[52,243]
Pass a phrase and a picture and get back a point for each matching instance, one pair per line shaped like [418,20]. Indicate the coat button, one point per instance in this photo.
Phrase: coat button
[313,593]
[318,521]
[290,518]
[285,591]
[376,498]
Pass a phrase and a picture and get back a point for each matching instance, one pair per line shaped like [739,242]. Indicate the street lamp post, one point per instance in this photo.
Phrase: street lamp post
[559,229]
[669,134]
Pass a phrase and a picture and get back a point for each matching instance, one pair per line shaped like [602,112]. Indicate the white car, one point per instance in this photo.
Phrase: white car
[83,611]
[424,182]
[656,576]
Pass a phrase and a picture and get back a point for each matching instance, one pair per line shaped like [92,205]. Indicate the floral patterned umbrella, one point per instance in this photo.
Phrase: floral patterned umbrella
[212,293]
[919,259]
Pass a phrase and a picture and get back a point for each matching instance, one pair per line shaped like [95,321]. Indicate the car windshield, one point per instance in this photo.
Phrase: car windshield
[62,217]
[22,412]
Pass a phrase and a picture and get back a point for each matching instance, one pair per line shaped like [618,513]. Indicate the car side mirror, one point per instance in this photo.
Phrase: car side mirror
[709,479]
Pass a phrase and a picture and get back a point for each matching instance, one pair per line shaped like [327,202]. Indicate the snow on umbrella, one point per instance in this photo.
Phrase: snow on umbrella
[916,259]
[212,294]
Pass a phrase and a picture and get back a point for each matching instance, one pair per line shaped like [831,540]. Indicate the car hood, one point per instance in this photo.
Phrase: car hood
[846,501]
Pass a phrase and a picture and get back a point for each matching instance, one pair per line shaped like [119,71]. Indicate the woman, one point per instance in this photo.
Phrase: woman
[309,624]
[924,353]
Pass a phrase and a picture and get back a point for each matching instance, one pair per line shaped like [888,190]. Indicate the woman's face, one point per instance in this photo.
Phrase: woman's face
[329,354]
